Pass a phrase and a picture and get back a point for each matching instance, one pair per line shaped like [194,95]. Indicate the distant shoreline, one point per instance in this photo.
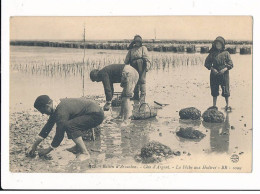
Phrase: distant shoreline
[161,41]
[189,46]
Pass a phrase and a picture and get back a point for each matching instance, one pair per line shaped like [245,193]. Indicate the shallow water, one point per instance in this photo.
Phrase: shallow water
[178,86]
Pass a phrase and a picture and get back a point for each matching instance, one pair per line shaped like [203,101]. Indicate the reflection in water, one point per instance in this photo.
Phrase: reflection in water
[188,123]
[124,141]
[219,135]
[111,141]
[94,145]
[135,137]
[195,123]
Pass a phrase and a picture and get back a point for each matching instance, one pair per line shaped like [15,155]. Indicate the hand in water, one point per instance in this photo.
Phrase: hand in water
[30,153]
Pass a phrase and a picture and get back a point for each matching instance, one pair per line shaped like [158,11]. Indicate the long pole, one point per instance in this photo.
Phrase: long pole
[83,83]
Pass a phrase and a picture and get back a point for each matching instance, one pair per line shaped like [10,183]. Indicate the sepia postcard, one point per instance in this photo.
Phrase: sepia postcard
[131,94]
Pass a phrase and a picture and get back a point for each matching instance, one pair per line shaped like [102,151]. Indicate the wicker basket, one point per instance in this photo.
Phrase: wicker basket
[140,114]
[117,101]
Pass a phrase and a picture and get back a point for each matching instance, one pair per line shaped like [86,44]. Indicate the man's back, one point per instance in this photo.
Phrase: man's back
[114,72]
[70,108]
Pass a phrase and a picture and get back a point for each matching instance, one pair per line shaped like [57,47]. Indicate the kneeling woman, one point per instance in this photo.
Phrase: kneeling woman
[71,115]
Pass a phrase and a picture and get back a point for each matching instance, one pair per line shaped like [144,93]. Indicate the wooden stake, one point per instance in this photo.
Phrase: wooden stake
[84,39]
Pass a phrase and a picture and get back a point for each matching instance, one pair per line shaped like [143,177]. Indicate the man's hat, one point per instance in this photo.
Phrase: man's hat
[93,74]
[41,101]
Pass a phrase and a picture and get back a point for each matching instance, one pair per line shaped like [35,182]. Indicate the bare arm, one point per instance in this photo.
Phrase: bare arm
[42,135]
[31,152]
[59,136]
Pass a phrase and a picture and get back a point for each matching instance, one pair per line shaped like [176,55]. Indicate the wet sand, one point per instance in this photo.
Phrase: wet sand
[115,148]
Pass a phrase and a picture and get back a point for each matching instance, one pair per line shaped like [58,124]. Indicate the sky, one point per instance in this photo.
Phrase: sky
[104,28]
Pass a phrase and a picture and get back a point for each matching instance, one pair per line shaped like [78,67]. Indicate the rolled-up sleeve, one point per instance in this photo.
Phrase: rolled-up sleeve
[208,62]
[229,63]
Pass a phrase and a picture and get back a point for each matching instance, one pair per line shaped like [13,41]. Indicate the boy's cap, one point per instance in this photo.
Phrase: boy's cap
[41,101]
[93,74]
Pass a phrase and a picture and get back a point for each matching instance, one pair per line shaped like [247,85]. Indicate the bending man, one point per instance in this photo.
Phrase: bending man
[71,115]
[117,73]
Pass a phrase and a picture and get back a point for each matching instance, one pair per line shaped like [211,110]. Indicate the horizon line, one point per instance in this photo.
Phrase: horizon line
[125,39]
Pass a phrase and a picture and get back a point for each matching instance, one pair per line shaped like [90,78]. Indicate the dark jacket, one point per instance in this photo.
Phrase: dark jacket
[68,108]
[109,75]
[218,59]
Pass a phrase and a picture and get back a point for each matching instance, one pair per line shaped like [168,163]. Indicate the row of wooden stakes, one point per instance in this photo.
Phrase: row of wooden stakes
[109,46]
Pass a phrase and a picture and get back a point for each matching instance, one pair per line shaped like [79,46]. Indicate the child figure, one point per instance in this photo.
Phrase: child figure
[219,62]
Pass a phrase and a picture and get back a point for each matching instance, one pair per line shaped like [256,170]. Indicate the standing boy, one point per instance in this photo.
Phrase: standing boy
[219,62]
[71,115]
[117,73]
